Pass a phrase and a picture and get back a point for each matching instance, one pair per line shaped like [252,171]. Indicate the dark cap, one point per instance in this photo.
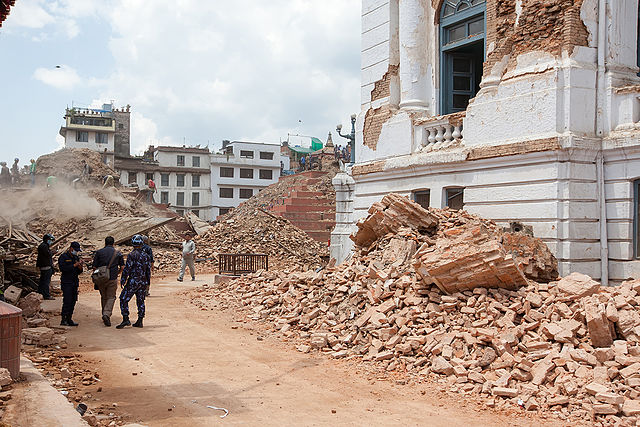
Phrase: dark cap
[76,246]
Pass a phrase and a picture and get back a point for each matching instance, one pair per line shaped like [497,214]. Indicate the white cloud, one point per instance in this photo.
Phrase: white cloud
[208,71]
[30,14]
[64,78]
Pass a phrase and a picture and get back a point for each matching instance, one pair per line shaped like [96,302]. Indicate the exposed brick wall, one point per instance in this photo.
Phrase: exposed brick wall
[5,6]
[547,144]
[373,122]
[377,166]
[382,88]
[546,25]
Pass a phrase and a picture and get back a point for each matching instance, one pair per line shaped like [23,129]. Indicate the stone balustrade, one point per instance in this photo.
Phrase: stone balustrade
[437,133]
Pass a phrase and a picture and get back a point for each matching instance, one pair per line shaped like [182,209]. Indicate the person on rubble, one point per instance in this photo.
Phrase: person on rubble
[44,263]
[113,259]
[70,268]
[134,279]
[5,175]
[15,172]
[188,257]
[302,163]
[147,249]
[32,172]
[152,190]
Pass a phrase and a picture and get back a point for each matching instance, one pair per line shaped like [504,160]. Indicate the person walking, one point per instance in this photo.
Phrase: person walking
[188,257]
[32,172]
[146,248]
[133,281]
[114,261]
[70,268]
[44,263]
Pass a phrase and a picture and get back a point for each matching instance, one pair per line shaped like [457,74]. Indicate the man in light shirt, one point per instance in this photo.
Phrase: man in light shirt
[188,257]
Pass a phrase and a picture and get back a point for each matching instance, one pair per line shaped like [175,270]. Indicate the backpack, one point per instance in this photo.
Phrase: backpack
[101,274]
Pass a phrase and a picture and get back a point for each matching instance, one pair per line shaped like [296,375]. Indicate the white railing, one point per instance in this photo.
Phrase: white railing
[437,133]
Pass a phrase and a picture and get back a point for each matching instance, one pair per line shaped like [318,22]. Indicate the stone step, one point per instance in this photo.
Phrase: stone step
[310,216]
[302,208]
[326,225]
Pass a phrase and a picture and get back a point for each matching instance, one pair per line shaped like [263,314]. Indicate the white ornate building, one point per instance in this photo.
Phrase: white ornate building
[520,110]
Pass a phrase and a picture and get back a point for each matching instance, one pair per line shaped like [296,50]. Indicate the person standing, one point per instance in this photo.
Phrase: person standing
[302,160]
[15,172]
[146,248]
[5,175]
[133,281]
[70,268]
[152,190]
[32,172]
[114,261]
[44,263]
[188,257]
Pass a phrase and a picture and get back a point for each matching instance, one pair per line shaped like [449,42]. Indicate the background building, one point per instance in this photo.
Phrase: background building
[181,175]
[510,111]
[240,171]
[105,130]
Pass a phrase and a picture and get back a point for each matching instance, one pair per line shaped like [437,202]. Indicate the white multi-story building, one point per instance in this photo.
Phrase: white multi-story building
[181,175]
[240,171]
[104,130]
[510,110]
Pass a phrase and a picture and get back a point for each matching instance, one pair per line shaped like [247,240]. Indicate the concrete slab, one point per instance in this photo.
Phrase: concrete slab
[36,403]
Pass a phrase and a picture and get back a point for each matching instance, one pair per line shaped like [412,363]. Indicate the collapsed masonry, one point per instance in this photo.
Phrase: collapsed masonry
[486,329]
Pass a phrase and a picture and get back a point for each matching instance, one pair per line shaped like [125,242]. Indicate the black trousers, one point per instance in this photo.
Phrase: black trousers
[69,298]
[45,281]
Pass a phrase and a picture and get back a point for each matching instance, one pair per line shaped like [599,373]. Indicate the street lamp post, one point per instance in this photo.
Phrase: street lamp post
[351,137]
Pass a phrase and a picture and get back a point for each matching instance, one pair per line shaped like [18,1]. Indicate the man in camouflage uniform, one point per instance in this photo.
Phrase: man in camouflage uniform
[134,279]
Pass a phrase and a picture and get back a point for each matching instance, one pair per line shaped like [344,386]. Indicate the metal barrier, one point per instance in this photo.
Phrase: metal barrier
[236,264]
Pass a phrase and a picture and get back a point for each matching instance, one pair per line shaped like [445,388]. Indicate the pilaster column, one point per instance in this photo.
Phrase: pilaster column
[413,54]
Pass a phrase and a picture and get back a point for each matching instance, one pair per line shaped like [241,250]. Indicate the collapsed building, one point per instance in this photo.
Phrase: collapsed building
[513,110]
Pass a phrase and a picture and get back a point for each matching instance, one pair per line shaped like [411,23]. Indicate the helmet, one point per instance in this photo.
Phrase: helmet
[16,159]
[48,237]
[137,240]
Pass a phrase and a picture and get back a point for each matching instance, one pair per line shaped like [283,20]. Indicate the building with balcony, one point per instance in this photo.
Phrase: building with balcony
[512,110]
[242,169]
[105,130]
[181,175]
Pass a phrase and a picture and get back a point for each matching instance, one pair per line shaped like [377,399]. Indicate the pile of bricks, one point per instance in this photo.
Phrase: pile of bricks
[568,346]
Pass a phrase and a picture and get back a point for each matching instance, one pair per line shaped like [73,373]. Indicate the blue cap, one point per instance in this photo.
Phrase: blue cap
[137,240]
[76,246]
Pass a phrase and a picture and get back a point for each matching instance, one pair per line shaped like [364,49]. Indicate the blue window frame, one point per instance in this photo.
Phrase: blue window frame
[462,52]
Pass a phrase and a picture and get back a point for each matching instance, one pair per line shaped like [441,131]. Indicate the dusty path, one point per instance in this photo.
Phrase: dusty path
[185,359]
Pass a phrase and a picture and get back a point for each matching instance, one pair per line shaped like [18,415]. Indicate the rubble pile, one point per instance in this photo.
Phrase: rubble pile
[568,346]
[66,163]
[258,231]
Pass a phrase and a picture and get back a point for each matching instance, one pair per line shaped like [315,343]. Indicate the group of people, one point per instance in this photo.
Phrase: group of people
[135,275]
[11,177]
[342,153]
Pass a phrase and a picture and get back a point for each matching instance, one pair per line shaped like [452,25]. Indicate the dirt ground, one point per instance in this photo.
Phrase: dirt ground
[185,359]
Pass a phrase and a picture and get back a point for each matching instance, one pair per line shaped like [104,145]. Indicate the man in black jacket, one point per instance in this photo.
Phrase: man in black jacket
[45,264]
[70,267]
[108,257]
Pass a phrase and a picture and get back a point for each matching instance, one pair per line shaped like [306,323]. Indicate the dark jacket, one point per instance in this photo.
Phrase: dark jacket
[45,257]
[137,271]
[103,257]
[147,250]
[69,273]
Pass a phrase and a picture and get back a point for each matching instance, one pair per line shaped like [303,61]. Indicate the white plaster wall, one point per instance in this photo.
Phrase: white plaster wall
[70,141]
[553,192]
[376,44]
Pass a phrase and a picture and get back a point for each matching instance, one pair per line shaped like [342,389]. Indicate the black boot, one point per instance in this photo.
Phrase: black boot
[138,323]
[64,321]
[125,322]
[70,321]
[106,320]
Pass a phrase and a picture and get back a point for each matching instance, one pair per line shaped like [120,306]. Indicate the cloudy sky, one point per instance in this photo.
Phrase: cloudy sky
[194,71]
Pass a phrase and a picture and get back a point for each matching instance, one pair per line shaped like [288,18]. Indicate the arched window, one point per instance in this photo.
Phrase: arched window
[462,52]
